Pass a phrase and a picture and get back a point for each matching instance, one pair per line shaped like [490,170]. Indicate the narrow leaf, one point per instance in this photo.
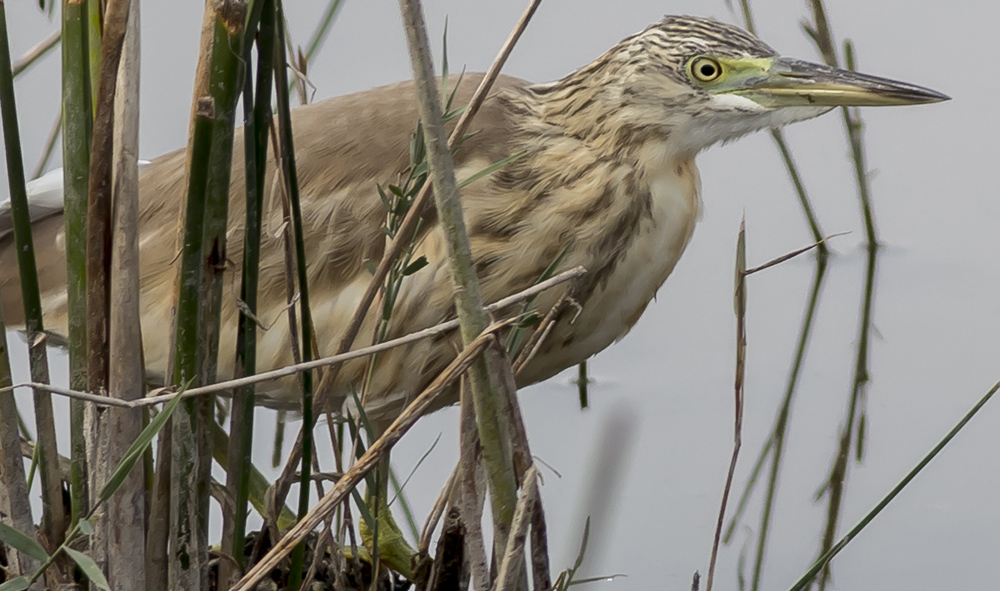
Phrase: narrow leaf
[363,509]
[415,266]
[22,543]
[137,449]
[89,568]
[491,169]
[18,584]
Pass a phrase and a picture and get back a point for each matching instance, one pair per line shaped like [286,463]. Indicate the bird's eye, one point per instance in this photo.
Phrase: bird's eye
[705,69]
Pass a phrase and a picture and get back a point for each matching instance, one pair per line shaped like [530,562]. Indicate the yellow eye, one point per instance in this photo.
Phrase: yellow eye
[705,69]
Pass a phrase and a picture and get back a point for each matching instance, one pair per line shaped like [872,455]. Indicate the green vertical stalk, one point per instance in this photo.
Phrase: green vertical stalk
[287,148]
[468,300]
[199,297]
[53,515]
[777,439]
[77,125]
[836,484]
[854,127]
[224,89]
[184,494]
[256,114]
[323,26]
[786,156]
[822,35]
[94,26]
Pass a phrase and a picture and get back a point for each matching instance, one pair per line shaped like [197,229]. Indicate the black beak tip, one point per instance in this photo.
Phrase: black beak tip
[934,96]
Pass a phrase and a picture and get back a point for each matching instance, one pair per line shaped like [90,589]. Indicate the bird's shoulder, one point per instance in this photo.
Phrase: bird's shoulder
[365,136]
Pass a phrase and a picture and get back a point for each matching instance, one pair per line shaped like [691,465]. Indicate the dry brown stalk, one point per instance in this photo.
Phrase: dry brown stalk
[367,462]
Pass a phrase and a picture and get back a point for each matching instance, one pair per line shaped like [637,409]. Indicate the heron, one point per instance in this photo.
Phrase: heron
[606,180]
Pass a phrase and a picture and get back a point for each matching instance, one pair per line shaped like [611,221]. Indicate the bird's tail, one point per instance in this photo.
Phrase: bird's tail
[45,198]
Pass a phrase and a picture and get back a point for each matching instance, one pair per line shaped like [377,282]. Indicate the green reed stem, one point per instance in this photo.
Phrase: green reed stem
[468,300]
[256,115]
[77,123]
[53,514]
[287,148]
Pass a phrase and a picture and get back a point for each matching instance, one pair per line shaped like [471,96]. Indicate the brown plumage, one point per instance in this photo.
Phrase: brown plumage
[608,177]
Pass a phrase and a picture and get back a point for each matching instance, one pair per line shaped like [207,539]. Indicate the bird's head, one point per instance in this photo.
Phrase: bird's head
[698,82]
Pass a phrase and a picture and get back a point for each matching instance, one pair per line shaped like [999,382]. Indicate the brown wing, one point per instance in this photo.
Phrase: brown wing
[344,146]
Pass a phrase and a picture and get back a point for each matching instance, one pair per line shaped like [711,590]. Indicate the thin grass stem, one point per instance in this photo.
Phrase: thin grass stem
[36,53]
[824,560]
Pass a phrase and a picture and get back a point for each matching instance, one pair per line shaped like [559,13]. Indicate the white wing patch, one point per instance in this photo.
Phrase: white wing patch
[45,198]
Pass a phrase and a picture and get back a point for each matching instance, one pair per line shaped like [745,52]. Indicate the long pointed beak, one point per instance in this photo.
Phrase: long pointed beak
[791,82]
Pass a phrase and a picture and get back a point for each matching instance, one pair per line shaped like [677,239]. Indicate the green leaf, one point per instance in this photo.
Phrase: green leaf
[89,568]
[359,444]
[369,431]
[451,99]
[34,466]
[363,509]
[18,584]
[22,542]
[402,206]
[452,114]
[387,306]
[137,449]
[491,169]
[740,297]
[516,336]
[415,266]
[85,527]
[529,320]
[352,426]
[420,149]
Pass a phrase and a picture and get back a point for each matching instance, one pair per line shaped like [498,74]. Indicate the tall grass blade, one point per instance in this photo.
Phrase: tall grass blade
[287,159]
[53,515]
[786,155]
[256,116]
[468,300]
[825,559]
[197,318]
[323,25]
[77,123]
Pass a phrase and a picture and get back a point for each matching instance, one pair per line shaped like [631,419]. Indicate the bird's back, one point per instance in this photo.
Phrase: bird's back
[344,146]
[560,199]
